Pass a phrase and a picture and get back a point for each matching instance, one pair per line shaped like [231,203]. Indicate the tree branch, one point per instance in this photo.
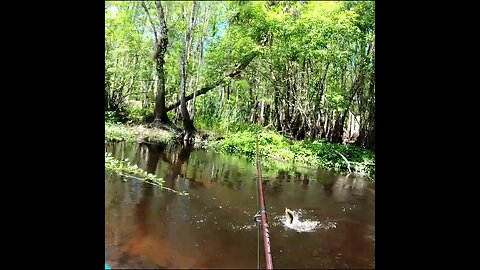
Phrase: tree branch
[346,160]
[151,22]
[238,70]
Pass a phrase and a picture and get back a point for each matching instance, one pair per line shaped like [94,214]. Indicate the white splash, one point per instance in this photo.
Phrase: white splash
[244,227]
[300,225]
[328,225]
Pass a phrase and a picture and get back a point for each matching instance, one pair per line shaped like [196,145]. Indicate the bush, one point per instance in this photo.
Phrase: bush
[138,115]
[111,117]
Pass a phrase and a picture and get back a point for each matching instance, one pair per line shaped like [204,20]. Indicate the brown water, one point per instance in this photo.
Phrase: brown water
[213,228]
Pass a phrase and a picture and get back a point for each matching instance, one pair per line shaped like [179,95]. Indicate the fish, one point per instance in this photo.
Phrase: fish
[289,215]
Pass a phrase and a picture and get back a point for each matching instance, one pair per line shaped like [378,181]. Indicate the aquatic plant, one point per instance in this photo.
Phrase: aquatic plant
[127,170]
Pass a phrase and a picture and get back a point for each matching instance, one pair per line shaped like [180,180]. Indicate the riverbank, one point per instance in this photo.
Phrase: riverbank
[137,133]
[275,149]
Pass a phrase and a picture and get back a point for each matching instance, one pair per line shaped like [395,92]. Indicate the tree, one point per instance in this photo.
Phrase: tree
[187,121]
[161,43]
[304,68]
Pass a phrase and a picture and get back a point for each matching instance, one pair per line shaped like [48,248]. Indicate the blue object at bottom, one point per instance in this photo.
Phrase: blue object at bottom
[107,267]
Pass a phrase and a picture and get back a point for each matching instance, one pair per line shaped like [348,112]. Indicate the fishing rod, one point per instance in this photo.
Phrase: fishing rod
[261,216]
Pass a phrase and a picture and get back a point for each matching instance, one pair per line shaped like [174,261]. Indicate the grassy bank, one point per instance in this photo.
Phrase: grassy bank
[276,150]
[120,132]
[274,147]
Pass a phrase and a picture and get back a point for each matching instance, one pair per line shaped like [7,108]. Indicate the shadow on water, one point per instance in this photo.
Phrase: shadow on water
[212,227]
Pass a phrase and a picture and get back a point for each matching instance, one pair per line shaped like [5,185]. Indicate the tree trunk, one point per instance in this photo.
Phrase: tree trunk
[319,130]
[368,137]
[200,60]
[262,112]
[161,43]
[228,91]
[253,114]
[357,86]
[187,121]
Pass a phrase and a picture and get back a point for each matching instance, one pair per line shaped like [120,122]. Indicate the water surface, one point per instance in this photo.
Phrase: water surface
[213,228]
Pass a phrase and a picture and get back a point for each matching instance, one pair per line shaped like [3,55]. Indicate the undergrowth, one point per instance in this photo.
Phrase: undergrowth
[318,153]
[120,132]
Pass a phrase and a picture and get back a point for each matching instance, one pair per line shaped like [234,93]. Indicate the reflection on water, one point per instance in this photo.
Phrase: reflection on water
[213,228]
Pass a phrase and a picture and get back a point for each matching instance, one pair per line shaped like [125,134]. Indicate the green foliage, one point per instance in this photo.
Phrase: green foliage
[117,132]
[361,160]
[138,115]
[111,117]
[299,43]
[127,62]
[275,147]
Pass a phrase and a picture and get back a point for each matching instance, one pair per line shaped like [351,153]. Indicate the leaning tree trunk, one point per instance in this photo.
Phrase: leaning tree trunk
[234,74]
[161,43]
[187,121]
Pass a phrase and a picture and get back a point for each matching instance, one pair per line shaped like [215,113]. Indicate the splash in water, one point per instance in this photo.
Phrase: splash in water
[292,221]
[249,227]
